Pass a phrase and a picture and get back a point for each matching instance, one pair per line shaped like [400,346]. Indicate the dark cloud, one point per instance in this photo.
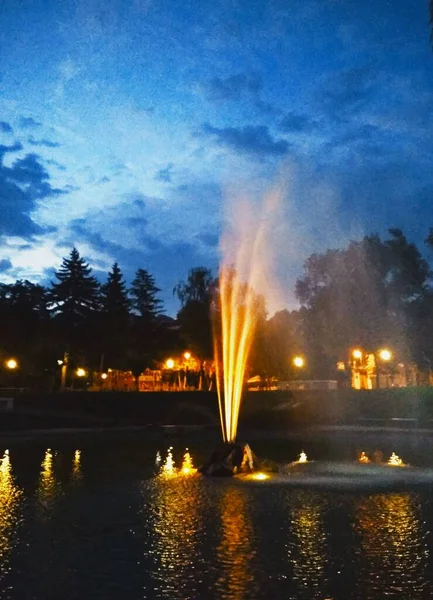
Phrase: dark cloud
[5,149]
[249,139]
[5,265]
[232,88]
[56,164]
[165,174]
[5,127]
[43,142]
[28,123]
[21,186]
[297,123]
[349,91]
[169,261]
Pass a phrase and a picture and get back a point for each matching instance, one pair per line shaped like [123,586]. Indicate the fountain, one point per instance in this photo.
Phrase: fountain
[243,247]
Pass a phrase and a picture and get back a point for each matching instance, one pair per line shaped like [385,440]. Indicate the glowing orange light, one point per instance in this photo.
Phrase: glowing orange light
[363,458]
[169,469]
[187,465]
[11,364]
[385,355]
[187,355]
[302,457]
[169,363]
[395,461]
[298,361]
[80,372]
[104,375]
[357,354]
[259,476]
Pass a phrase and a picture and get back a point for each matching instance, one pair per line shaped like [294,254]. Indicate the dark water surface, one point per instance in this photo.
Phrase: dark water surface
[99,523]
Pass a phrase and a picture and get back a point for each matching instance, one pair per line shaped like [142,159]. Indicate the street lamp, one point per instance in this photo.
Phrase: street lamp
[11,364]
[187,355]
[80,372]
[169,363]
[385,355]
[357,354]
[299,362]
[104,375]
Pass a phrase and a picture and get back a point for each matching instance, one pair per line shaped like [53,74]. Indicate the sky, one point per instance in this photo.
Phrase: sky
[127,127]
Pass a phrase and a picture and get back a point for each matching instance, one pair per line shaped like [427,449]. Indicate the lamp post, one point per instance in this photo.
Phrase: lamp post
[385,356]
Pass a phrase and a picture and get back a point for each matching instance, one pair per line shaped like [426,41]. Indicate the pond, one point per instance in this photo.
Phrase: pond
[97,520]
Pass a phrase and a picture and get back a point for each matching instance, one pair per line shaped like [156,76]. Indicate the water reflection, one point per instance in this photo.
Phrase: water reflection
[48,486]
[236,549]
[176,521]
[307,546]
[392,550]
[10,496]
[76,467]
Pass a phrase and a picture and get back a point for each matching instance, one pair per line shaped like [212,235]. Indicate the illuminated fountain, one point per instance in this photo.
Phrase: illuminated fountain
[395,461]
[244,266]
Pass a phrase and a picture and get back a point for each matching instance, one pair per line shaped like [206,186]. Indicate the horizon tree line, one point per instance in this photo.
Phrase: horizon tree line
[373,293]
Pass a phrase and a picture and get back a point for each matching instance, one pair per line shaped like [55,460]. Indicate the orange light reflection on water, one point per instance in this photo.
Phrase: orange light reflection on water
[236,549]
[392,543]
[48,488]
[10,496]
[176,525]
[308,554]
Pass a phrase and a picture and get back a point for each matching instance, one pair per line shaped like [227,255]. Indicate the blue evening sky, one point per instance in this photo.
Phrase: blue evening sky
[125,125]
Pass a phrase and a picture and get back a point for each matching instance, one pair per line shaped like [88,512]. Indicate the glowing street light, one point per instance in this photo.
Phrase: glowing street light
[169,363]
[385,355]
[357,354]
[104,375]
[11,364]
[80,372]
[187,355]
[299,362]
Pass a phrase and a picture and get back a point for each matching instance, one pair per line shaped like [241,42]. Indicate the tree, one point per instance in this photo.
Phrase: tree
[148,331]
[368,294]
[144,293]
[196,295]
[114,319]
[74,300]
[199,287]
[25,329]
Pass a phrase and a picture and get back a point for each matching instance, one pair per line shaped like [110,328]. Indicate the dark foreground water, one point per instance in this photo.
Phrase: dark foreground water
[99,523]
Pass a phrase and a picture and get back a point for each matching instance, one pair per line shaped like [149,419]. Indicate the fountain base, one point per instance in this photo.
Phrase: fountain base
[229,460]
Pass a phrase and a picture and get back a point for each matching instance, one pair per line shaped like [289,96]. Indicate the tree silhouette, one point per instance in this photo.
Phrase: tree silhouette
[73,302]
[196,295]
[144,295]
[114,319]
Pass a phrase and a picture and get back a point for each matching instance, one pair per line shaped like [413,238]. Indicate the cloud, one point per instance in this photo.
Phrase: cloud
[5,265]
[5,149]
[233,88]
[43,142]
[21,186]
[209,239]
[297,123]
[55,163]
[165,174]
[5,127]
[250,139]
[349,91]
[28,123]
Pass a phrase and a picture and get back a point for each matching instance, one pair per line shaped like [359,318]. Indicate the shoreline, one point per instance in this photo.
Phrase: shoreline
[157,432]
